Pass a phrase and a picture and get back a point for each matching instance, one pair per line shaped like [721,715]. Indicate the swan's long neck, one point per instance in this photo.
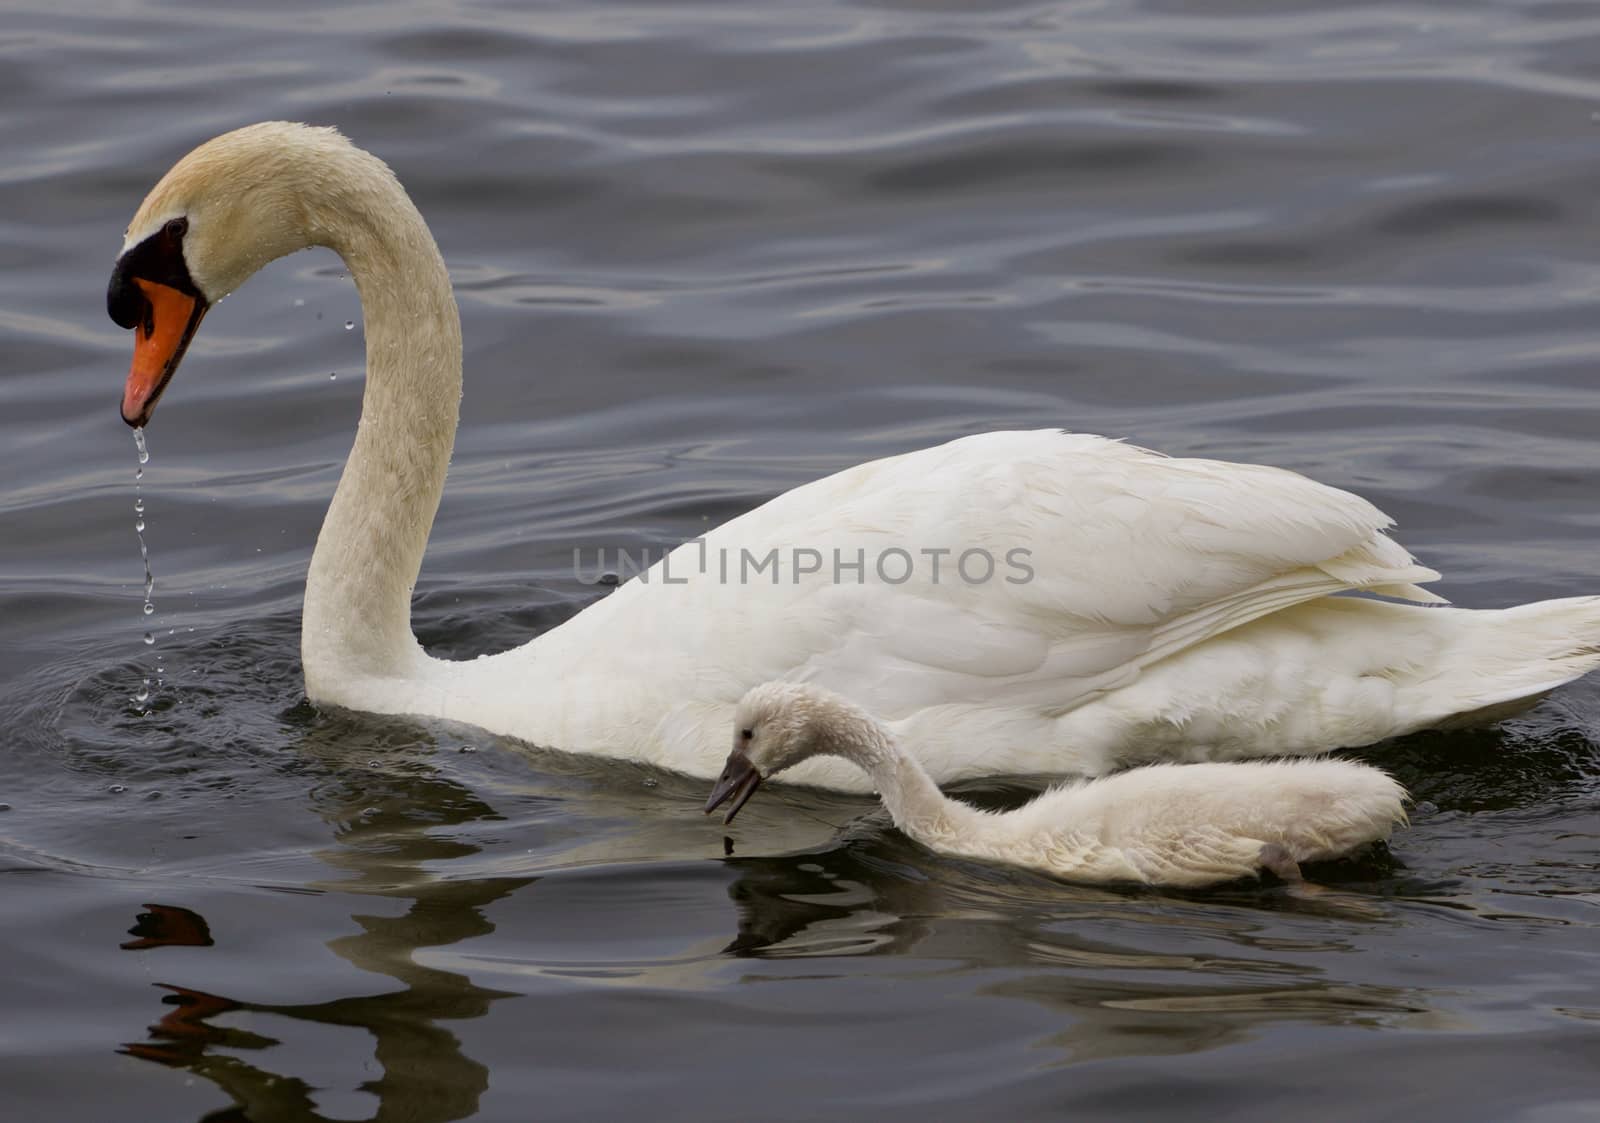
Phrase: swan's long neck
[357,620]
[914,801]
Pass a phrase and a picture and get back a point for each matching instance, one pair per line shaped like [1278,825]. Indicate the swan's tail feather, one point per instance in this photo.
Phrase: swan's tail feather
[1414,593]
[1381,565]
[1506,660]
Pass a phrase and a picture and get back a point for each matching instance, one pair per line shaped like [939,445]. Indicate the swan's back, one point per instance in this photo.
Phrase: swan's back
[1203,823]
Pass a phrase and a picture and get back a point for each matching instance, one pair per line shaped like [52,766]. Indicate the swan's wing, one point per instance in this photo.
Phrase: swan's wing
[1106,558]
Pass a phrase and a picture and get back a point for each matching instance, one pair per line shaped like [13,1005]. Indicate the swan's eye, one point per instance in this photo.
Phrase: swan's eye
[177,227]
[746,734]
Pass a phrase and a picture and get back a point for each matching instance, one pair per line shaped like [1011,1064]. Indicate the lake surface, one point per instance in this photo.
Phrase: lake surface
[704,254]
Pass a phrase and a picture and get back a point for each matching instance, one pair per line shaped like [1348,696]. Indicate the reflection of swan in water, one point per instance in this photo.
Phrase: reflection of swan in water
[426,1075]
[423,1063]
[1122,973]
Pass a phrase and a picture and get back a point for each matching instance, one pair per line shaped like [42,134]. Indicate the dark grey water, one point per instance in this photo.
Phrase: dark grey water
[705,253]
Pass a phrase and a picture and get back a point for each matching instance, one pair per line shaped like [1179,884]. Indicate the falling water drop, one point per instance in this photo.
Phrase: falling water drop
[332,375]
[142,698]
[349,325]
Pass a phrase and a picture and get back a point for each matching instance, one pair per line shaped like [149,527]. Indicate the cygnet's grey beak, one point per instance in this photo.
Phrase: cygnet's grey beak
[739,781]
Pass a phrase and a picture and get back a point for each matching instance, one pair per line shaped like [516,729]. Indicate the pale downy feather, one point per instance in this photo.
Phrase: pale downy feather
[1163,824]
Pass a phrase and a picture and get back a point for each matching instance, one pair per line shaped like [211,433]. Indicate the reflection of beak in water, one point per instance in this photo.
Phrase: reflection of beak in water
[168,926]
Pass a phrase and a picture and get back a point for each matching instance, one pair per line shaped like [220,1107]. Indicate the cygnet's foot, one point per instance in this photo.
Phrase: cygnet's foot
[1276,860]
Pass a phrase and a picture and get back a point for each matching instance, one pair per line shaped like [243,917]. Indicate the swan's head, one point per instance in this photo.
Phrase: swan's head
[776,726]
[222,212]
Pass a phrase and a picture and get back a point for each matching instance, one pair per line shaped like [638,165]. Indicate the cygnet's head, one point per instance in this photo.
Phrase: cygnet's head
[776,726]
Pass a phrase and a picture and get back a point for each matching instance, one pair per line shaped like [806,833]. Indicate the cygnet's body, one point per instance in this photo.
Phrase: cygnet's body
[1173,825]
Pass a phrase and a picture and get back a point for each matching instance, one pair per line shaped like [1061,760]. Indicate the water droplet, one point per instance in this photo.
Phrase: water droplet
[144,553]
[299,302]
[467,749]
[332,375]
[349,325]
[152,796]
[651,783]
[118,789]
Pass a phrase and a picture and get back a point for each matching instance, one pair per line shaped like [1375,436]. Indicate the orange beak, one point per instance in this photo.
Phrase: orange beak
[159,341]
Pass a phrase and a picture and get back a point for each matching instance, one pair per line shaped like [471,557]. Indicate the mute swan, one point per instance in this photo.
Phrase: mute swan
[1135,606]
[1182,826]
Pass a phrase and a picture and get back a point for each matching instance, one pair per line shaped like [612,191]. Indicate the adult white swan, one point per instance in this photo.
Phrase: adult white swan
[1158,608]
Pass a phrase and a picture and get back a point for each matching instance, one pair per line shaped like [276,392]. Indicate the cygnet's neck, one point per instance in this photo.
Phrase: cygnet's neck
[914,801]
[357,622]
